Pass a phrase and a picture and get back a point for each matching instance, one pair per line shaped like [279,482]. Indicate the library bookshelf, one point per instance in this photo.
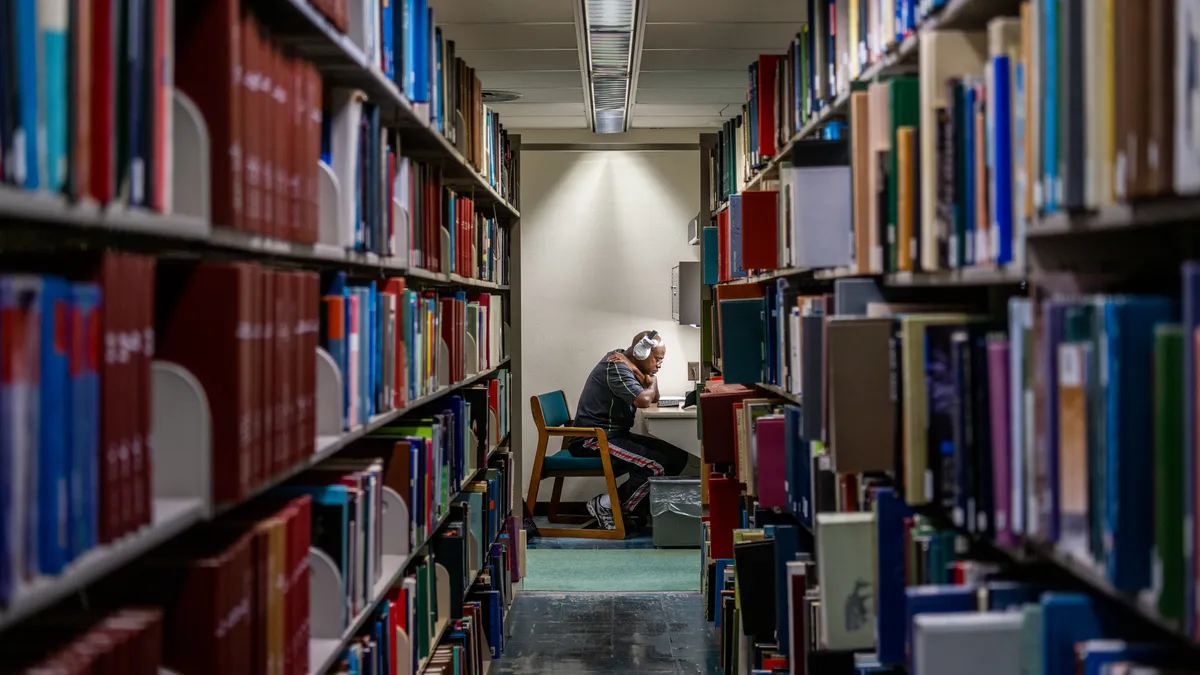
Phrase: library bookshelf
[270,324]
[950,268]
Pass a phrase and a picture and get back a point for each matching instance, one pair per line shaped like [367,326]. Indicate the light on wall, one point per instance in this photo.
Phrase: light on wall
[611,31]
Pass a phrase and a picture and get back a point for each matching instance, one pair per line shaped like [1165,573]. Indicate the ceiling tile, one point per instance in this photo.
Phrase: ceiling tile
[727,11]
[682,122]
[698,59]
[684,109]
[544,122]
[525,80]
[522,59]
[537,109]
[683,79]
[501,11]
[564,95]
[768,38]
[727,95]
[512,35]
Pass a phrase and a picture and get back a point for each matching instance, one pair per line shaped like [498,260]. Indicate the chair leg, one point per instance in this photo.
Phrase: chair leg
[535,478]
[610,477]
[555,499]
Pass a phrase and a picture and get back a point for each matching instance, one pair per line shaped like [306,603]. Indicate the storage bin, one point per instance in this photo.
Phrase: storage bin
[675,511]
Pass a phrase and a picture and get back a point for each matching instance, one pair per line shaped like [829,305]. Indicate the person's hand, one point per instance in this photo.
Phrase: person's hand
[642,378]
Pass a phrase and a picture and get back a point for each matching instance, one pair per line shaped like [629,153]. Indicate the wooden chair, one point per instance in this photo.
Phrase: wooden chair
[551,416]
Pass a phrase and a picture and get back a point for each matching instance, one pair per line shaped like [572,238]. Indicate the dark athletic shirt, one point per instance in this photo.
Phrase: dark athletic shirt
[607,398]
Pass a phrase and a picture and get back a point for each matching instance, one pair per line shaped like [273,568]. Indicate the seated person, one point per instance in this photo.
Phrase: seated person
[622,381]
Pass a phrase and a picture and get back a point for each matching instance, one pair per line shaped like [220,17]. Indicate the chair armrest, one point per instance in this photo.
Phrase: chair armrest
[574,432]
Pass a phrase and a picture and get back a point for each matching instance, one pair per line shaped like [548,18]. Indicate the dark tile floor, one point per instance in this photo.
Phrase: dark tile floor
[585,633]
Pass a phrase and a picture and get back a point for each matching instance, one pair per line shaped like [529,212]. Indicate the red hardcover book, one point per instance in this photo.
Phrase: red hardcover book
[253,124]
[207,68]
[145,292]
[110,443]
[716,412]
[311,169]
[766,106]
[395,286]
[102,71]
[287,437]
[723,514]
[300,576]
[296,146]
[285,227]
[128,383]
[211,332]
[308,360]
[262,463]
[760,229]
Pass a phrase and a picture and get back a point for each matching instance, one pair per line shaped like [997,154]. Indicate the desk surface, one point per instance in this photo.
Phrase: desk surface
[679,413]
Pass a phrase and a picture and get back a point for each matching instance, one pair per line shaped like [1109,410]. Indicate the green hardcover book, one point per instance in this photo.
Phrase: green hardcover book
[1168,467]
[904,97]
[424,609]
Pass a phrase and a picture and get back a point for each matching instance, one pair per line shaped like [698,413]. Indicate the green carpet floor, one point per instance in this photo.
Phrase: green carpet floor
[609,570]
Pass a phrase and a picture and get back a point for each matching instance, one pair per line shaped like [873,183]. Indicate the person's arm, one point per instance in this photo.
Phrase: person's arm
[625,384]
[653,388]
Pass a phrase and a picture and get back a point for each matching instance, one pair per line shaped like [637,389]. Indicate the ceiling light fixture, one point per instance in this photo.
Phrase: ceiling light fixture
[612,31]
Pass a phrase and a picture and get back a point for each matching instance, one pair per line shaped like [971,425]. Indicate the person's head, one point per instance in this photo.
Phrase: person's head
[651,363]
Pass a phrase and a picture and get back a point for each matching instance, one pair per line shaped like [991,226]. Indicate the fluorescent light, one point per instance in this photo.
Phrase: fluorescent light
[610,30]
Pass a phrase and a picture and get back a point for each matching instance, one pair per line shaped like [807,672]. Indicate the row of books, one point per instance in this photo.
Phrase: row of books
[86,100]
[75,393]
[252,351]
[127,640]
[403,39]
[883,590]
[797,221]
[388,343]
[411,630]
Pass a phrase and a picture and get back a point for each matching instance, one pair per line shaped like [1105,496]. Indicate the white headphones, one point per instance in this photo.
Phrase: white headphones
[645,346]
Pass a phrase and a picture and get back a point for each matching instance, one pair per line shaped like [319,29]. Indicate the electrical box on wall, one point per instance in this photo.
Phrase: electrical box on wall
[685,293]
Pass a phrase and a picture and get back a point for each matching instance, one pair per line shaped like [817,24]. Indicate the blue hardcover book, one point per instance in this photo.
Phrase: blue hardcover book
[135,173]
[53,33]
[1001,151]
[969,196]
[1129,479]
[1095,654]
[891,613]
[27,169]
[365,372]
[742,340]
[85,427]
[437,92]
[410,27]
[53,468]
[787,545]
[735,237]
[797,464]
[422,31]
[1191,321]
[1068,619]
[388,22]
[934,600]
[1006,595]
[720,564]
[712,265]
[1049,54]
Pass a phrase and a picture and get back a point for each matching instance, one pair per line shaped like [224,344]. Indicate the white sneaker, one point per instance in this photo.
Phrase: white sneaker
[603,516]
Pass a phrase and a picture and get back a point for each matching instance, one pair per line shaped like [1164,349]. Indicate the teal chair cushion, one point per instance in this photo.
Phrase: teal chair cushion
[564,461]
[554,408]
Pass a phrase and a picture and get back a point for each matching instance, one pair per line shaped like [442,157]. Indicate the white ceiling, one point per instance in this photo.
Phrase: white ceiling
[695,56]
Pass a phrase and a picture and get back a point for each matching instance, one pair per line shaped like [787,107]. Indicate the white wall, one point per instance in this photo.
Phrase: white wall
[600,232]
